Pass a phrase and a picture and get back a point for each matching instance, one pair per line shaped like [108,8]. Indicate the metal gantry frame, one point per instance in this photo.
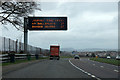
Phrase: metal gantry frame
[27,26]
[25,35]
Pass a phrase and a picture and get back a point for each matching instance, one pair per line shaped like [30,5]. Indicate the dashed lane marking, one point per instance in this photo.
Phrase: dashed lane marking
[104,63]
[101,66]
[84,71]
[116,70]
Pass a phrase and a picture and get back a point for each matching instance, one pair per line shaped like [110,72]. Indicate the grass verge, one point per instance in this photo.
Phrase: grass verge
[66,56]
[109,61]
[22,61]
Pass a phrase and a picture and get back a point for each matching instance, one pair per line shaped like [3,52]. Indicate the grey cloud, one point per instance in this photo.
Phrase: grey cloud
[83,32]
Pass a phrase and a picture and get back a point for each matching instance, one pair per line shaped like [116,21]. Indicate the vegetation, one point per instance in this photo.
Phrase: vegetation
[22,61]
[109,61]
[93,55]
[14,12]
[66,56]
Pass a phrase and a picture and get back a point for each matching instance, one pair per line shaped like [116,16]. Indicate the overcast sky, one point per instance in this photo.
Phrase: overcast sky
[90,25]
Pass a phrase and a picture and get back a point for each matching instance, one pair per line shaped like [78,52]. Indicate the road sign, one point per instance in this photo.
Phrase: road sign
[43,23]
[47,23]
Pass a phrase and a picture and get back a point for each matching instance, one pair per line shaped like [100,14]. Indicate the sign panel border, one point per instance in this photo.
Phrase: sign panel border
[42,29]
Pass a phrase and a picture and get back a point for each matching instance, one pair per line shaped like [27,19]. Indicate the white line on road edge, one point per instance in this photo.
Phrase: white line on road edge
[84,71]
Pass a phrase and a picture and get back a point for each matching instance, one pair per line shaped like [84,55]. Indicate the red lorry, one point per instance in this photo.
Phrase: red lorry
[54,52]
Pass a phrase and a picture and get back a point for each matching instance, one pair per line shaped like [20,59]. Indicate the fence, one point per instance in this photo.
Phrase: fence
[10,46]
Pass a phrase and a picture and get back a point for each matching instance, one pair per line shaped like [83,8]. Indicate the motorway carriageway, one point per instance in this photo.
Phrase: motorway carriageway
[66,68]
[96,69]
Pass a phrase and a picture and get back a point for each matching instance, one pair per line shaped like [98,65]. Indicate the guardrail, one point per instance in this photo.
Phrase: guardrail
[13,57]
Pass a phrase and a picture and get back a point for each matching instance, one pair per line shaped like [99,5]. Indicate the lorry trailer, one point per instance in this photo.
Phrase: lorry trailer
[54,52]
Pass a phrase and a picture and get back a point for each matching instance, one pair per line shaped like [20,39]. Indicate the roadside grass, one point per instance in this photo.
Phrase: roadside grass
[0,64]
[22,61]
[66,56]
[109,61]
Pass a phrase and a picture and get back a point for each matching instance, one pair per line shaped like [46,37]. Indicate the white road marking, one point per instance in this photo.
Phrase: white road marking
[88,74]
[104,63]
[84,71]
[92,76]
[94,64]
[116,70]
[101,66]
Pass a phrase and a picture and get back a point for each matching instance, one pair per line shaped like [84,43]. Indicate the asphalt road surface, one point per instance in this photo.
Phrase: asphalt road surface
[97,69]
[48,69]
[66,68]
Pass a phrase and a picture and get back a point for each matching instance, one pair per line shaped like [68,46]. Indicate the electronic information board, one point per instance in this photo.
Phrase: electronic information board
[47,23]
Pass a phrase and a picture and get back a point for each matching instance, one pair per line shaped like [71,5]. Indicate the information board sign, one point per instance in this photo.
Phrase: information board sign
[47,23]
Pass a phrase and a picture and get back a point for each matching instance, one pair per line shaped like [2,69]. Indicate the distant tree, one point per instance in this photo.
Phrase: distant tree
[87,55]
[14,12]
[107,54]
[93,55]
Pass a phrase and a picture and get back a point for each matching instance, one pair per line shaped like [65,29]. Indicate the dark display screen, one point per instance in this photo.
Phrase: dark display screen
[47,23]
